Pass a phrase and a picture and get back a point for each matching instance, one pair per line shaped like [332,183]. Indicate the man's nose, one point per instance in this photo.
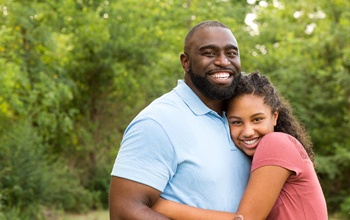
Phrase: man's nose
[222,60]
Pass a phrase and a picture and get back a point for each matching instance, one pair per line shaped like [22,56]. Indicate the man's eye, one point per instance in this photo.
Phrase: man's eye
[232,54]
[209,53]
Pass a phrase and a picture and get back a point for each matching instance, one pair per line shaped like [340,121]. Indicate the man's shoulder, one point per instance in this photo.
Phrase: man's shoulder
[168,102]
[169,108]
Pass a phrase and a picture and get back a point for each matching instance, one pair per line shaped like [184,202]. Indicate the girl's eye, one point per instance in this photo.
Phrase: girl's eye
[236,122]
[258,119]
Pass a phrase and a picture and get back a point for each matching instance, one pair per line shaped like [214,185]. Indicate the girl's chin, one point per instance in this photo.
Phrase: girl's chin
[249,152]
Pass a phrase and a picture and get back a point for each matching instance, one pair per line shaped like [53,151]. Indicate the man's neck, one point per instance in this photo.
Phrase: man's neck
[215,105]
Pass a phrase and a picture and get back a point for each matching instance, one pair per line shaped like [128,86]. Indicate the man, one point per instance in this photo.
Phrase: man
[179,147]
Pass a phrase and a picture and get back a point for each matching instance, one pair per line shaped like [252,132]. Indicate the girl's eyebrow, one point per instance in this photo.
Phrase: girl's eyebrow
[257,114]
[254,115]
[236,117]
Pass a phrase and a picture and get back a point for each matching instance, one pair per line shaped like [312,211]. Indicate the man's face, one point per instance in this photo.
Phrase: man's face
[213,62]
[211,89]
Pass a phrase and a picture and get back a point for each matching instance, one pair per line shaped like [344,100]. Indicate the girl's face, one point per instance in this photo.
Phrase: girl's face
[250,119]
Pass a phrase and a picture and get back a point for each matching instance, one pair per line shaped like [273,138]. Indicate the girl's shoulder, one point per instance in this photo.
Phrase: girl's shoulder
[279,140]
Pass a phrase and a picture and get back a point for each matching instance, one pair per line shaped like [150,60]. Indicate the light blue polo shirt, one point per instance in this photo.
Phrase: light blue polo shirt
[182,148]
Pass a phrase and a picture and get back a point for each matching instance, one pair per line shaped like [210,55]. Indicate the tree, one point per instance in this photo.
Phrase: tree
[74,74]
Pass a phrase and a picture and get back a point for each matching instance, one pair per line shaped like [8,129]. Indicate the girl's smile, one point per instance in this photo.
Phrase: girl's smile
[250,119]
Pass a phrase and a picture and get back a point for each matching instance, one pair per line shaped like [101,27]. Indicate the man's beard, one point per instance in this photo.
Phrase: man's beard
[212,90]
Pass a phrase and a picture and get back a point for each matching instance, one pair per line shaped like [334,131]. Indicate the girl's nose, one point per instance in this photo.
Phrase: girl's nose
[248,131]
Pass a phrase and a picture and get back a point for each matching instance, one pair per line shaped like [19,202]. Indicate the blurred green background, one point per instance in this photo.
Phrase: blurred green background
[73,74]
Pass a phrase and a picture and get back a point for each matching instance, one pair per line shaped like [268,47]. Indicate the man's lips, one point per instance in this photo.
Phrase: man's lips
[222,78]
[221,71]
[221,75]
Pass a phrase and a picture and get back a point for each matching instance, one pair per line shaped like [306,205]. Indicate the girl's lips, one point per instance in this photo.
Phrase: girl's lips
[251,143]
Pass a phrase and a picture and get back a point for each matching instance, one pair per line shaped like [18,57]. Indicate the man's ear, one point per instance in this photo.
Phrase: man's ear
[185,61]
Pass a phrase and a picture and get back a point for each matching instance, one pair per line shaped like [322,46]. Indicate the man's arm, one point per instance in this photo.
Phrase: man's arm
[132,200]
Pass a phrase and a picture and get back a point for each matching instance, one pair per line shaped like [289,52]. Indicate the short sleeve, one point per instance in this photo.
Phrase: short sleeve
[279,149]
[146,155]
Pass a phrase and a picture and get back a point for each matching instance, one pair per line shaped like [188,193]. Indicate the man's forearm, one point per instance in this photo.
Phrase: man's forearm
[141,213]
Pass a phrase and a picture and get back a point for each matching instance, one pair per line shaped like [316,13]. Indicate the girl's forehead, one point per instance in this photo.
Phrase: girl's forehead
[249,96]
[248,100]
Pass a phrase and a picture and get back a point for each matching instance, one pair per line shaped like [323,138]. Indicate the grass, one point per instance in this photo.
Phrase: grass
[95,215]
[92,215]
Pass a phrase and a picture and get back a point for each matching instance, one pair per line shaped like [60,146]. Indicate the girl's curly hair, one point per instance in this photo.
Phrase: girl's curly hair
[259,85]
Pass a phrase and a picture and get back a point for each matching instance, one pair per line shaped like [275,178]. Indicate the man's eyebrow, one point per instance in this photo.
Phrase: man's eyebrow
[214,46]
[231,46]
[208,46]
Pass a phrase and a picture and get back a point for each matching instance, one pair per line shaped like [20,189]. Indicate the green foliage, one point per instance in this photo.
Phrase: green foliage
[79,71]
[345,207]
[24,175]
[29,179]
[13,214]
[66,191]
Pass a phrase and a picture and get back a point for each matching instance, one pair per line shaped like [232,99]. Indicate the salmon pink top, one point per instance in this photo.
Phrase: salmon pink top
[301,196]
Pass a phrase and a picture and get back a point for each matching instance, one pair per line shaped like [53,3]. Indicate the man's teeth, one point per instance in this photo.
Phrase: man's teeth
[221,75]
[251,141]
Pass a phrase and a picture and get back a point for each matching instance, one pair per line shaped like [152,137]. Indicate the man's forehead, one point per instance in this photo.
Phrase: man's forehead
[212,35]
[204,30]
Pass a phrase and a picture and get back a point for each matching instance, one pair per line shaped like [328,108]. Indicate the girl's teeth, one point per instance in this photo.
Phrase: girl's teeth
[251,141]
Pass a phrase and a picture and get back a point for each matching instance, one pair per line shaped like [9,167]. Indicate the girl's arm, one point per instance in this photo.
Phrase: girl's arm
[263,188]
[178,211]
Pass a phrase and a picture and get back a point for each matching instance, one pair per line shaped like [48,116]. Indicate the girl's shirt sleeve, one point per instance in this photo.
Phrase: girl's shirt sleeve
[280,149]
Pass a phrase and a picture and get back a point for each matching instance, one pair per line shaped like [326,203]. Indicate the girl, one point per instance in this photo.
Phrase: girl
[283,183]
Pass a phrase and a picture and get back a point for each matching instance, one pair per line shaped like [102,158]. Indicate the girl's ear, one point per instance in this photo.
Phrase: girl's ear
[275,117]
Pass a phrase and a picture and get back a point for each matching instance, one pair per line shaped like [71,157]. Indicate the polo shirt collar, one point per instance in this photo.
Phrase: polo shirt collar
[191,99]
